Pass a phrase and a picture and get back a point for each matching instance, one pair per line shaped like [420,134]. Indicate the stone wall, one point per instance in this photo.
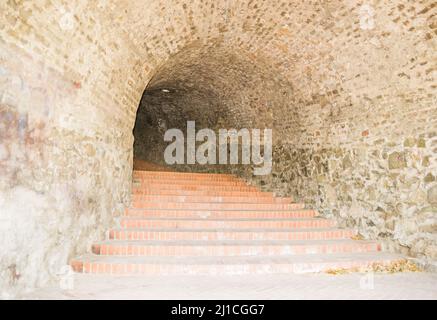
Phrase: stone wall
[380,181]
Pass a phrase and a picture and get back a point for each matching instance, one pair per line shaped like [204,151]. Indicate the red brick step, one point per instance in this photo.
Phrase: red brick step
[182,175]
[223,193]
[208,199]
[194,187]
[231,248]
[98,264]
[216,206]
[185,223]
[220,214]
[135,222]
[226,234]
[189,182]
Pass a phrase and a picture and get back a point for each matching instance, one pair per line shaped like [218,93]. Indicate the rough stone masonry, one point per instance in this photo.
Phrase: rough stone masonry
[347,86]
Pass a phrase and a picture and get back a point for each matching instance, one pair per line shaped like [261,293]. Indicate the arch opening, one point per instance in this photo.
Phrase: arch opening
[217,87]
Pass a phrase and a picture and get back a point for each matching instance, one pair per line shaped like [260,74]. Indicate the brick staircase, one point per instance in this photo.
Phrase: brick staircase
[192,223]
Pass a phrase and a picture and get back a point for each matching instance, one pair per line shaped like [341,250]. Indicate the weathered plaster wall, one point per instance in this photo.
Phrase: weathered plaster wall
[65,141]
[57,171]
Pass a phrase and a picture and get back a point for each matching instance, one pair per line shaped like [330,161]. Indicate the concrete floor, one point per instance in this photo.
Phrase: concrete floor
[418,285]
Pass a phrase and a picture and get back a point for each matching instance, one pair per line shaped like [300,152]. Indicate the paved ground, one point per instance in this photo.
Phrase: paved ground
[418,285]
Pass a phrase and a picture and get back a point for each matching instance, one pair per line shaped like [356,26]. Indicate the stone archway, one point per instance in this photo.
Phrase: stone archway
[350,89]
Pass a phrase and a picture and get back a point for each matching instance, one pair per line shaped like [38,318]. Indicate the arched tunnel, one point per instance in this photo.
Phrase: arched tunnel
[347,87]
[217,87]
